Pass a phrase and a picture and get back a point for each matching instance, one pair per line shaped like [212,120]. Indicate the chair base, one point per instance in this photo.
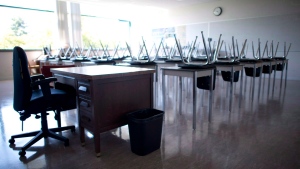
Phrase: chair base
[41,134]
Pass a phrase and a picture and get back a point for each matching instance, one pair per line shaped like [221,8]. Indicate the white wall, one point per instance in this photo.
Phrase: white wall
[277,20]
[6,72]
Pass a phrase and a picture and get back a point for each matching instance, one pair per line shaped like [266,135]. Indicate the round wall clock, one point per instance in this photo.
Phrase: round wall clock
[218,11]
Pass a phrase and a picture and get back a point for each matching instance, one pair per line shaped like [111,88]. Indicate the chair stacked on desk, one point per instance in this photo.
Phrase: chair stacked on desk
[230,68]
[203,75]
[253,67]
[282,62]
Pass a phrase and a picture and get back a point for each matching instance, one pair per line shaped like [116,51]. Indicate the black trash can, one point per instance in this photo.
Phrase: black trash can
[145,127]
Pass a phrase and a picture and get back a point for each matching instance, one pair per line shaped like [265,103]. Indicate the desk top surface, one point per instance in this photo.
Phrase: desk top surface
[101,71]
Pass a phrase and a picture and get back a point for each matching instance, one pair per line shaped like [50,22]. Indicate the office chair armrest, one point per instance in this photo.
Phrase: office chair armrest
[37,77]
[42,82]
[45,87]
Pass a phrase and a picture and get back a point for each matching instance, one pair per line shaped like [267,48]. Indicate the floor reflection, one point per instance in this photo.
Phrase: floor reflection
[263,133]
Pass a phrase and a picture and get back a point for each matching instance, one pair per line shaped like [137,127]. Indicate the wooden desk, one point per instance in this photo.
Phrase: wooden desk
[151,66]
[61,62]
[105,94]
[232,69]
[194,74]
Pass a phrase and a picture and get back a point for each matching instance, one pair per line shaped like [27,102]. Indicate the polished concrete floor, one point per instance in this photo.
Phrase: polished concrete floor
[263,134]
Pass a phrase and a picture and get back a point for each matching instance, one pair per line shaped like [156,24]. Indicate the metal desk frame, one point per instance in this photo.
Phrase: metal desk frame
[232,69]
[191,73]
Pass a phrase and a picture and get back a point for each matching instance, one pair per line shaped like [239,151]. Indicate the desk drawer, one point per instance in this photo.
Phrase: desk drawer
[84,104]
[86,120]
[84,88]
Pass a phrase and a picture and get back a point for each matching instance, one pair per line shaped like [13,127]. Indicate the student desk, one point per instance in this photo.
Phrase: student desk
[253,65]
[270,63]
[283,62]
[191,73]
[105,94]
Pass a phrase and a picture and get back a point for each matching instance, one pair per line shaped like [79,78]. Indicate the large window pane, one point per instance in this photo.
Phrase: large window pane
[26,27]
[108,31]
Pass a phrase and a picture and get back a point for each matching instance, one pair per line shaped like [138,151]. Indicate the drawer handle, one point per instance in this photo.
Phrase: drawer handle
[82,88]
[85,118]
[84,104]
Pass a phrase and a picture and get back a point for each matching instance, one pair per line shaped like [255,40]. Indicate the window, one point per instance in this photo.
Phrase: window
[109,32]
[32,26]
[29,25]
[97,29]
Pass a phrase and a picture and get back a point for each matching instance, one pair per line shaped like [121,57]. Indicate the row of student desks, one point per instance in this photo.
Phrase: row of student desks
[106,93]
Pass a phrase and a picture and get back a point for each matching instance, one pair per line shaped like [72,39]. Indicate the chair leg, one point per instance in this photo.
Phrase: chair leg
[34,133]
[58,137]
[59,129]
[44,132]
[57,118]
[35,139]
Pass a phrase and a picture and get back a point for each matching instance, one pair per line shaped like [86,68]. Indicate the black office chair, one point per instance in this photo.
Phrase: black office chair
[33,95]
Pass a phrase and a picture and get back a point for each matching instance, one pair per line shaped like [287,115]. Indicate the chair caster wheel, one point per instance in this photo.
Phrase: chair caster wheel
[22,153]
[66,143]
[11,141]
[98,154]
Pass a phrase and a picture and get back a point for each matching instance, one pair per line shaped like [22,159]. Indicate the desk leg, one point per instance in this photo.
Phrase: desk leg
[82,137]
[97,143]
[245,86]
[260,75]
[286,69]
[231,90]
[270,69]
[194,99]
[274,79]
[156,87]
[180,94]
[241,87]
[163,89]
[253,87]
[211,94]
[281,74]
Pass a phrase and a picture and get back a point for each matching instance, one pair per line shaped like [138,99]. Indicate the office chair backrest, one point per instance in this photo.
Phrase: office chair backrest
[22,80]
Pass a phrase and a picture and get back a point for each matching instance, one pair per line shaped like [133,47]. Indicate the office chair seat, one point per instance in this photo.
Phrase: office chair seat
[38,101]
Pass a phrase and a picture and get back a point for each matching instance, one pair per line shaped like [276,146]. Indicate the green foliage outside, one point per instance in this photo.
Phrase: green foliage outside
[22,35]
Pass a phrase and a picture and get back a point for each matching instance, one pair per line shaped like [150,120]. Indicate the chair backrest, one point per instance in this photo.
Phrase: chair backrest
[22,80]
[46,69]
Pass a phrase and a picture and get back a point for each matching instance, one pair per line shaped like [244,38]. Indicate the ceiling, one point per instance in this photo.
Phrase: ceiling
[166,4]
